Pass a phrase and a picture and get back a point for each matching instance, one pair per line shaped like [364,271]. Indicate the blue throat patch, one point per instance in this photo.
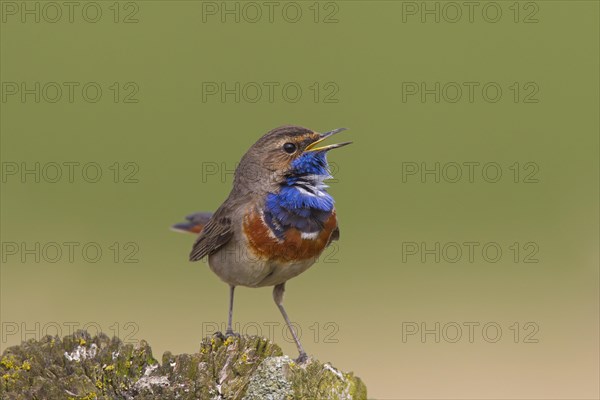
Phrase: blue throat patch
[302,202]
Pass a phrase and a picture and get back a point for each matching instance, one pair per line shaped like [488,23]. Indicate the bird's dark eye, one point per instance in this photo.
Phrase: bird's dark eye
[289,148]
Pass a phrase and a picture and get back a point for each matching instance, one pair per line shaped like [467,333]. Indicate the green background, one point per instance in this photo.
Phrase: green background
[172,134]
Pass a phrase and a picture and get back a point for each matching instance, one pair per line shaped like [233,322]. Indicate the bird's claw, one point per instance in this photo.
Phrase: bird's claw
[226,336]
[302,358]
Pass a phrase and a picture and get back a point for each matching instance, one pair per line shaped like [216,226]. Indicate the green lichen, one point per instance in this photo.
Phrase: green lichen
[271,381]
[83,367]
[322,381]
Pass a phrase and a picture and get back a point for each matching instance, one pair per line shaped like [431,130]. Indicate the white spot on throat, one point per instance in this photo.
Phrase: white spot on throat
[309,235]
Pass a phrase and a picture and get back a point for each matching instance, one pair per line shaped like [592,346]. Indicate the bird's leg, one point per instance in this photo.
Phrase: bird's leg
[229,331]
[278,297]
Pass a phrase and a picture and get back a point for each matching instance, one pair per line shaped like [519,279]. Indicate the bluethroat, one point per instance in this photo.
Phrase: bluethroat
[277,219]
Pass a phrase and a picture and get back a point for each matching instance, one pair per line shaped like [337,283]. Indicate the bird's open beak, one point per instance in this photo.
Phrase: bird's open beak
[323,136]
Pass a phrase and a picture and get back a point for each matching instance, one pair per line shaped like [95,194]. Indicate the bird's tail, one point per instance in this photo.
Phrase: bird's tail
[194,224]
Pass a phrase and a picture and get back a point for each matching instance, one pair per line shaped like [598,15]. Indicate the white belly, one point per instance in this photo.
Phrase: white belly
[238,269]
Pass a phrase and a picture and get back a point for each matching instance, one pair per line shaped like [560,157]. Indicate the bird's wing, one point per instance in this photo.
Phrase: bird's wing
[217,232]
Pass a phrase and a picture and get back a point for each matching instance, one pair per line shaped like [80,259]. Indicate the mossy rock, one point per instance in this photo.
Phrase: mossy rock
[80,367]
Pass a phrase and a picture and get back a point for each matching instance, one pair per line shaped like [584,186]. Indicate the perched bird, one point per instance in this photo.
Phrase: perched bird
[277,219]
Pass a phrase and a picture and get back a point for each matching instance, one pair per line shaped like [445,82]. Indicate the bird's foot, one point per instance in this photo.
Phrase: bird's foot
[227,335]
[230,333]
[302,358]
